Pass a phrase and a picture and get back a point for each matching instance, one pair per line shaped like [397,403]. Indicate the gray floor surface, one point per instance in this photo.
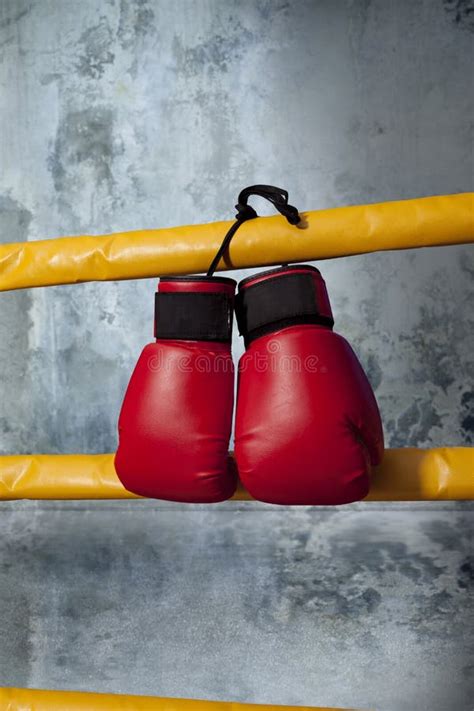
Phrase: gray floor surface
[369,605]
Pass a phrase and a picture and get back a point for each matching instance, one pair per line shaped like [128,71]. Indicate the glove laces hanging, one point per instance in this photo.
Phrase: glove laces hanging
[279,199]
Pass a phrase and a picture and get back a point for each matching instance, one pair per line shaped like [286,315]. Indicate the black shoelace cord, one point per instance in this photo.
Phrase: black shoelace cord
[279,199]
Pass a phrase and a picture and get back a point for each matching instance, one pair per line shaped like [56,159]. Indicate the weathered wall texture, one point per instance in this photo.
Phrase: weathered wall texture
[119,115]
[122,114]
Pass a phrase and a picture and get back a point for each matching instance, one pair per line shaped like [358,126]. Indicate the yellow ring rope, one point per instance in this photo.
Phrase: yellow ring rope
[338,232]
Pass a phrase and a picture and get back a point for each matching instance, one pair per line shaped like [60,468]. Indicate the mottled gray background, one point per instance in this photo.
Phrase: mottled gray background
[128,114]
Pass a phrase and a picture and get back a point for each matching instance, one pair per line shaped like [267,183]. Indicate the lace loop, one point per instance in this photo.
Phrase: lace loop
[279,199]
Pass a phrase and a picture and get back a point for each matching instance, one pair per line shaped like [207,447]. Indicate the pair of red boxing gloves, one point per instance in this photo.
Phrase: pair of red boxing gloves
[307,428]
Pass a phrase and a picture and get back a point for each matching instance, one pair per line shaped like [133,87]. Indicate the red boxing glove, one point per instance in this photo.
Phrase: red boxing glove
[176,417]
[307,428]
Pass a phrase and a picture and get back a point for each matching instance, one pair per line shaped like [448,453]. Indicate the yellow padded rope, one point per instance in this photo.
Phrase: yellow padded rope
[338,232]
[33,700]
[405,475]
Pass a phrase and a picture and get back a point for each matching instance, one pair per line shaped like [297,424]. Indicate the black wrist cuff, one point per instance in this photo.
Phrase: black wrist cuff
[193,316]
[276,303]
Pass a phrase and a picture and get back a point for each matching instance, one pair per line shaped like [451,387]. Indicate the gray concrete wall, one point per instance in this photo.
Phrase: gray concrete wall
[128,114]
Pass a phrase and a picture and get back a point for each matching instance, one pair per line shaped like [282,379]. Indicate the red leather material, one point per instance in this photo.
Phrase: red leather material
[307,427]
[176,418]
[198,285]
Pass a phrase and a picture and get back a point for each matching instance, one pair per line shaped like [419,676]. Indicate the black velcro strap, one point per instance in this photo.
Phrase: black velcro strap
[276,303]
[193,316]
